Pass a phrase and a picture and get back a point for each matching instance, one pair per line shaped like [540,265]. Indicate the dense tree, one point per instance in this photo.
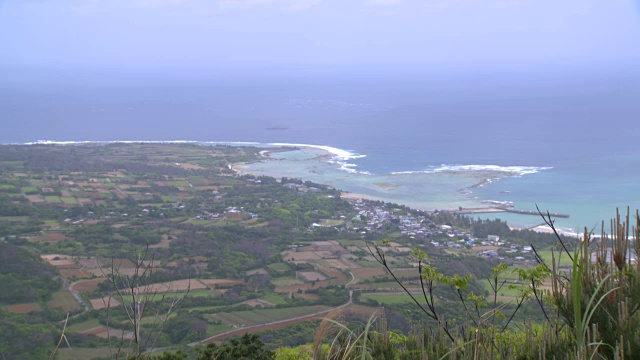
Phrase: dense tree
[249,347]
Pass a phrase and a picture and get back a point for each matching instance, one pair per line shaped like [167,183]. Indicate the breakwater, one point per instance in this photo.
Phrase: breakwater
[465,211]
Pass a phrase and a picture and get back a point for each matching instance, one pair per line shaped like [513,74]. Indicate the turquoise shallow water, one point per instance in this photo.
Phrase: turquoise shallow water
[584,194]
[419,190]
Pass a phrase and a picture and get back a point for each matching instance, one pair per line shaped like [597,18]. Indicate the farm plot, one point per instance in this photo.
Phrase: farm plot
[342,264]
[63,300]
[254,317]
[83,326]
[279,267]
[89,263]
[258,303]
[50,257]
[104,302]
[106,332]
[69,200]
[311,276]
[338,278]
[284,281]
[368,273]
[23,308]
[87,285]
[63,264]
[220,283]
[52,237]
[173,286]
[388,298]
[35,198]
[78,273]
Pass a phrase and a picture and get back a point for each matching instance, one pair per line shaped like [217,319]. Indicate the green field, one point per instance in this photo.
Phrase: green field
[14,218]
[286,281]
[31,189]
[83,353]
[279,267]
[83,326]
[253,317]
[150,320]
[178,183]
[53,199]
[359,243]
[63,300]
[275,298]
[546,256]
[389,299]
[505,290]
[368,263]
[217,329]
[330,222]
[70,200]
[196,293]
[199,222]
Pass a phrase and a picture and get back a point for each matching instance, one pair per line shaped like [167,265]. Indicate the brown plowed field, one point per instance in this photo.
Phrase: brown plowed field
[217,283]
[104,303]
[64,264]
[23,308]
[91,263]
[87,285]
[79,273]
[50,237]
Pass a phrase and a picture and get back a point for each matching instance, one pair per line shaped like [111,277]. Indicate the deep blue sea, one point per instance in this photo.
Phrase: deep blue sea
[581,127]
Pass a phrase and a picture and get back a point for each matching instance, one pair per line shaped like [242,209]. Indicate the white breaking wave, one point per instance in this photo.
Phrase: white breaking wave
[54,142]
[229,142]
[511,170]
[340,156]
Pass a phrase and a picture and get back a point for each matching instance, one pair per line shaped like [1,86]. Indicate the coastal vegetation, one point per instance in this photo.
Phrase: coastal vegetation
[157,250]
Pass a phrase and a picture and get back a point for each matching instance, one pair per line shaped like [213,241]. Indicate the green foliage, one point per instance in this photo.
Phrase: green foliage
[23,338]
[599,298]
[185,327]
[24,277]
[248,347]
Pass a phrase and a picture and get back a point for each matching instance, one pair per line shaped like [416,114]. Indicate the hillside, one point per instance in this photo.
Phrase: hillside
[81,224]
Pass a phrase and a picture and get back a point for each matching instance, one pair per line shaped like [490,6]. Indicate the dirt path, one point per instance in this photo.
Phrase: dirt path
[76,295]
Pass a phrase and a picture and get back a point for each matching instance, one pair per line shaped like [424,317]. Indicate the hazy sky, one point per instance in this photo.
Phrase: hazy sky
[235,34]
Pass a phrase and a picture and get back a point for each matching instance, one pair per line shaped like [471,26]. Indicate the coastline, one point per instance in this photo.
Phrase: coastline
[481,178]
[443,187]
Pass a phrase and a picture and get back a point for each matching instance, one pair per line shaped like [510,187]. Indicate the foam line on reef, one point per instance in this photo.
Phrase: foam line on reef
[511,170]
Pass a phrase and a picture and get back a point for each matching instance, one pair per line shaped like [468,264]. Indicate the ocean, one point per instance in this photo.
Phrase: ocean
[567,142]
